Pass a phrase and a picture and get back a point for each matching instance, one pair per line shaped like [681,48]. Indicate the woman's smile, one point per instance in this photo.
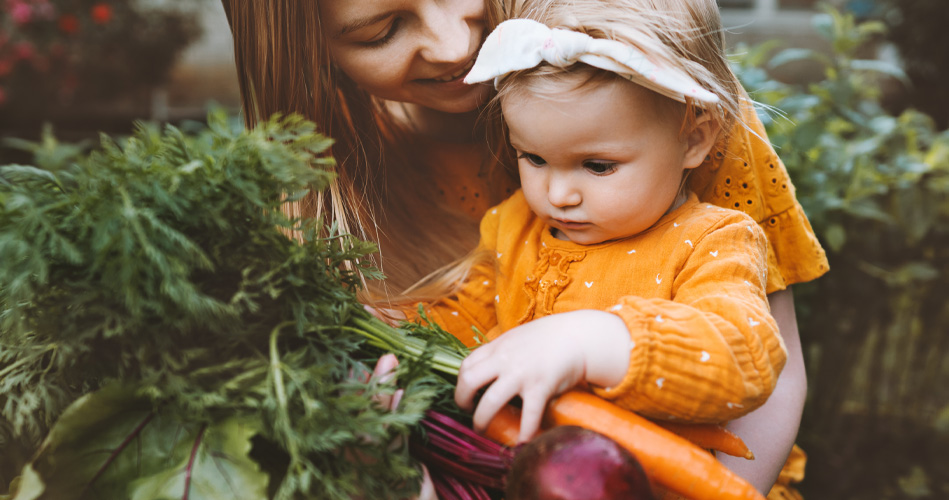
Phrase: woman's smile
[457,74]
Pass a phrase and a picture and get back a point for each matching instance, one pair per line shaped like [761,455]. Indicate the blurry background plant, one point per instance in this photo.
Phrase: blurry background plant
[876,189]
[918,30]
[75,53]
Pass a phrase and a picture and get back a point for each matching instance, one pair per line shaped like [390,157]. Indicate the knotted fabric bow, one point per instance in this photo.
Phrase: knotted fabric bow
[518,44]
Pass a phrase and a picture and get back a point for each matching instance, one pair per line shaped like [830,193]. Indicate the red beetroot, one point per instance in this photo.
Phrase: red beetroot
[573,463]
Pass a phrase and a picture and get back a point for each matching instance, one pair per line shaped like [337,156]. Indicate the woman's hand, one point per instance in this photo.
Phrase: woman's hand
[384,371]
[541,359]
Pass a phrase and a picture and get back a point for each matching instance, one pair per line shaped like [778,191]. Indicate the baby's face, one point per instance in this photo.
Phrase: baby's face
[597,163]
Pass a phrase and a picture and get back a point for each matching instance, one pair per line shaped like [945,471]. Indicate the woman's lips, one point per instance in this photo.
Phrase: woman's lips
[456,75]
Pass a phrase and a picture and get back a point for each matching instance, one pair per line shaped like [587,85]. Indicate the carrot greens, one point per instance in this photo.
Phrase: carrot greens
[162,337]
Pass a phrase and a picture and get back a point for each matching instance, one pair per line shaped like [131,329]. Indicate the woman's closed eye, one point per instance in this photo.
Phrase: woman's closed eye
[600,167]
[533,159]
[385,34]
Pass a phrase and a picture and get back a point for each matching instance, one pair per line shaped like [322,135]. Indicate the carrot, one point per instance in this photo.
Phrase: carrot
[505,426]
[670,460]
[710,437]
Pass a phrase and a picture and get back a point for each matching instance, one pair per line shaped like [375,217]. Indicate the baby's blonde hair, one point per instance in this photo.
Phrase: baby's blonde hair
[684,34]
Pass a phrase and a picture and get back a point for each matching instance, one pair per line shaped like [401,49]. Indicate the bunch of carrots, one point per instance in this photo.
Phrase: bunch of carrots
[674,456]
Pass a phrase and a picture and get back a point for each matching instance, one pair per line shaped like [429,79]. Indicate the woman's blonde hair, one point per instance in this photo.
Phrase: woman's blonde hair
[381,192]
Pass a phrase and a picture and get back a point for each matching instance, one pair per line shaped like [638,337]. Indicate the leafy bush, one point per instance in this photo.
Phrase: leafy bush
[876,188]
[918,29]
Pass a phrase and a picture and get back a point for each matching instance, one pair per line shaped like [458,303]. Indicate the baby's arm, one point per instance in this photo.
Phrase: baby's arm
[712,353]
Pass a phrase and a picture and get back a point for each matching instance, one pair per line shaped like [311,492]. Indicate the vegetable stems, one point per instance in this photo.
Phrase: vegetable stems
[386,337]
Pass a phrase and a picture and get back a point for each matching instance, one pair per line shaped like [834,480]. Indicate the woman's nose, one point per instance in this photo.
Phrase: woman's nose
[562,192]
[448,37]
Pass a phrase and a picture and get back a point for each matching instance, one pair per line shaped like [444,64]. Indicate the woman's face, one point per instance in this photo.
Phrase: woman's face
[415,51]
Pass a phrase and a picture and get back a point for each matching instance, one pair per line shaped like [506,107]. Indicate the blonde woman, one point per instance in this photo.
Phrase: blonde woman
[384,79]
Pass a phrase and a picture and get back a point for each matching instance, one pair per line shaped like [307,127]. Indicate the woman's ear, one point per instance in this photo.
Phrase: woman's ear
[700,139]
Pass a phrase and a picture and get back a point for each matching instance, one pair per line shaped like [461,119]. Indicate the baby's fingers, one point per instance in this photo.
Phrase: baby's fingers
[494,398]
[470,380]
[532,413]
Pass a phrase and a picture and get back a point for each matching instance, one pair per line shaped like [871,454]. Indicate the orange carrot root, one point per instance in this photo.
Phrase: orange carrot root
[710,437]
[505,426]
[671,461]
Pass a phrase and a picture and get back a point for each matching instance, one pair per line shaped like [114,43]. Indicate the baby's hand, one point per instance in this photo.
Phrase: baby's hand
[539,360]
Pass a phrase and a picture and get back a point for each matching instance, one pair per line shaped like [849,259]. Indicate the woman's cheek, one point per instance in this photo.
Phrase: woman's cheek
[382,73]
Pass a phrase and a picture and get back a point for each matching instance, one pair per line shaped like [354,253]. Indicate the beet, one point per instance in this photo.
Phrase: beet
[573,463]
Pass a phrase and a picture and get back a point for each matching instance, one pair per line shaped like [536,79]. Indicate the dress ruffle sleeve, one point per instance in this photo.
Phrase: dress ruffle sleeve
[744,173]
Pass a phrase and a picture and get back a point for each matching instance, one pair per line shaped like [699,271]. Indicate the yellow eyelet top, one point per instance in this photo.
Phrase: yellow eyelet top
[744,173]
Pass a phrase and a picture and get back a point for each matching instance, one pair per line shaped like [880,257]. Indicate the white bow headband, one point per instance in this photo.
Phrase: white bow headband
[519,44]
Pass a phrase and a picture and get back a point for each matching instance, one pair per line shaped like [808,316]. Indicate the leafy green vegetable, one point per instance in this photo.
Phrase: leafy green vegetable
[163,262]
[113,439]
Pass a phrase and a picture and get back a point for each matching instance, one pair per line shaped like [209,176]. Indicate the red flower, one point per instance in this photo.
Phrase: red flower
[68,24]
[57,50]
[24,50]
[101,13]
[21,13]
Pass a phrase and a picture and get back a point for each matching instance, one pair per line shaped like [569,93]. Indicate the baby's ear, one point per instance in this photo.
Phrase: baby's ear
[700,139]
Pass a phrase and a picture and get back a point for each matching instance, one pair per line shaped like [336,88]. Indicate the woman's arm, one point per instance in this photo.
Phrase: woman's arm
[770,430]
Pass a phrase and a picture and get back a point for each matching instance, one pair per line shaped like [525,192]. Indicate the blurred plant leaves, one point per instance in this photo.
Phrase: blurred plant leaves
[110,444]
[875,188]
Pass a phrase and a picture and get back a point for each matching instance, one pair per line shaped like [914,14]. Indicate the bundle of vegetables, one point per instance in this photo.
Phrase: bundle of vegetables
[153,307]
[674,456]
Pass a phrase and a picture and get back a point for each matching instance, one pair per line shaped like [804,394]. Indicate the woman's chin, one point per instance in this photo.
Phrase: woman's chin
[455,98]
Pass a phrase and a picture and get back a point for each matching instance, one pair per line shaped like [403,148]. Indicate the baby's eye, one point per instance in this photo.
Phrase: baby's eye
[533,159]
[600,167]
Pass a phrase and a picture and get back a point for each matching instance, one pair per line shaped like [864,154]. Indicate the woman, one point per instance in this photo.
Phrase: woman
[384,79]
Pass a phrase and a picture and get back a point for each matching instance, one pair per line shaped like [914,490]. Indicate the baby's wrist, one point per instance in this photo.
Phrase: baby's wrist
[606,353]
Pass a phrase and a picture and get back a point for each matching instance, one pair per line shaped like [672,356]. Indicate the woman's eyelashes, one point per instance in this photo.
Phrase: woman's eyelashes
[385,35]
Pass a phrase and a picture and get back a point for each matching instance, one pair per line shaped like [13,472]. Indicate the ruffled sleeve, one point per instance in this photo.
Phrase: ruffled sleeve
[744,173]
[712,353]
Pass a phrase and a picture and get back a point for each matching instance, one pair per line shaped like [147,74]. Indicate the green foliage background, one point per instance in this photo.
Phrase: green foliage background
[876,327]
